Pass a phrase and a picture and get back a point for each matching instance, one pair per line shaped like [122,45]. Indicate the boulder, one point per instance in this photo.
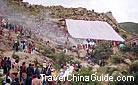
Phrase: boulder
[134,66]
[116,73]
[112,66]
[95,68]
[82,53]
[128,61]
[135,62]
[122,67]
[84,65]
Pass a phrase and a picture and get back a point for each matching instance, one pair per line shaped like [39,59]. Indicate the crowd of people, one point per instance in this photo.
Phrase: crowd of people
[29,74]
[16,74]
[5,24]
[5,64]
[13,73]
[22,45]
[89,44]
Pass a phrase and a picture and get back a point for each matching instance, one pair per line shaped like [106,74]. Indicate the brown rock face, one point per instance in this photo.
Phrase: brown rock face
[81,14]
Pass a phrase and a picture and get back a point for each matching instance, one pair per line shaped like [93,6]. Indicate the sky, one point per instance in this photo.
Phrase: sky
[123,10]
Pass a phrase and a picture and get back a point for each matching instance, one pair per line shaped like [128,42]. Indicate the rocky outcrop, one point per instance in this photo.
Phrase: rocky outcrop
[71,13]
[128,61]
[81,14]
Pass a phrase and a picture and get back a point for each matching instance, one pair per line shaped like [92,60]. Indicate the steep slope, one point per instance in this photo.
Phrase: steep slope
[41,25]
[49,22]
[130,27]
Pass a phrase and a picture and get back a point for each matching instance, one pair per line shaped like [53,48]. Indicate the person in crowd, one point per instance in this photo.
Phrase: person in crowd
[22,79]
[77,65]
[30,70]
[21,46]
[4,23]
[1,31]
[7,79]
[8,82]
[24,45]
[43,71]
[36,81]
[48,70]
[44,81]
[2,62]
[37,71]
[44,64]
[10,38]
[23,69]
[17,28]
[1,21]
[15,66]
[30,48]
[47,42]
[53,72]
[15,82]
[134,44]
[8,64]
[11,27]
[3,82]
[4,65]
[15,46]
[33,47]
[102,62]
[28,80]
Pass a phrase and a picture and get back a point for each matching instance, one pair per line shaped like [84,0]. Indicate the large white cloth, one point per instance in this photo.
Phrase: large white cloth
[92,30]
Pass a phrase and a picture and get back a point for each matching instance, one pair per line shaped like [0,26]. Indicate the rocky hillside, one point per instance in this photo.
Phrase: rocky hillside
[41,25]
[49,22]
[81,14]
[130,27]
